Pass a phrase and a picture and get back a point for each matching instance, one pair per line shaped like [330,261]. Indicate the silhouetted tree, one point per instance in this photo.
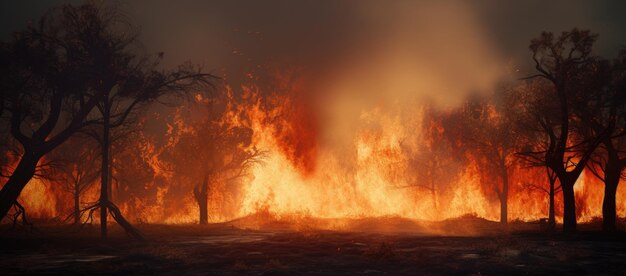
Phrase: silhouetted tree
[608,161]
[146,86]
[551,191]
[566,64]
[134,178]
[52,82]
[76,169]
[535,105]
[217,150]
[433,164]
[229,155]
[79,58]
[484,127]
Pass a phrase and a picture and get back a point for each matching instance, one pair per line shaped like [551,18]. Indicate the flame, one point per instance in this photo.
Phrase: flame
[303,176]
[39,200]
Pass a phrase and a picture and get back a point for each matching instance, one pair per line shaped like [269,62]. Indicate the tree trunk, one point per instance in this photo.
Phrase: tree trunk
[105,203]
[203,199]
[76,204]
[104,193]
[612,176]
[200,193]
[23,173]
[503,211]
[110,177]
[204,212]
[433,193]
[504,196]
[119,218]
[611,181]
[551,215]
[569,206]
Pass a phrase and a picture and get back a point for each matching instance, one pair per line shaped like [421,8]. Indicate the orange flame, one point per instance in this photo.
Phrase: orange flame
[301,176]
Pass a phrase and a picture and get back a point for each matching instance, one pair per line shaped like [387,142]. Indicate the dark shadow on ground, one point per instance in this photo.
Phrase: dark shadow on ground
[521,248]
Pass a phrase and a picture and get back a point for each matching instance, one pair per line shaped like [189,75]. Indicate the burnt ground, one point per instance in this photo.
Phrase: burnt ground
[523,248]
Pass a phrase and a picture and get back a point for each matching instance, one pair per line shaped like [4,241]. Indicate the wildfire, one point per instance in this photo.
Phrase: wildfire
[300,176]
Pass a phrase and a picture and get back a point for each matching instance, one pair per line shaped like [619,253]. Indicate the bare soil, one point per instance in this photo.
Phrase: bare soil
[400,247]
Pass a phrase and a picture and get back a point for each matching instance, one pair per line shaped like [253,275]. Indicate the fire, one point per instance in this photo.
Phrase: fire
[303,176]
[39,200]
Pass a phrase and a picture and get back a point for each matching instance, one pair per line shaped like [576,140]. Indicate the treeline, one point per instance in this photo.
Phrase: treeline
[567,117]
[74,86]
[79,69]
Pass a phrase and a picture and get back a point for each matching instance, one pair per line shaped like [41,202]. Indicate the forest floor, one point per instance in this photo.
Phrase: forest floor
[466,246]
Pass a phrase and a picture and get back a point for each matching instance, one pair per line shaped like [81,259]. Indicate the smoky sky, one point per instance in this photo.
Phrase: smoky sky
[232,37]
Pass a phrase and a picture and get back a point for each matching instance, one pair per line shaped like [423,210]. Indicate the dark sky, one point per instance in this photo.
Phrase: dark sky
[371,54]
[234,36]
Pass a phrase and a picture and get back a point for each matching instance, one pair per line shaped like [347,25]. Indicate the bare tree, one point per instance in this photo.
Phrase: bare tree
[432,165]
[566,64]
[80,58]
[52,83]
[76,169]
[216,151]
[609,160]
[117,105]
[534,101]
[484,127]
[551,191]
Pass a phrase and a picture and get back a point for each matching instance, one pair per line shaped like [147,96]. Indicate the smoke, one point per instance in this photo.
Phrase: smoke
[355,78]
[421,53]
[351,58]
[359,75]
[405,47]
